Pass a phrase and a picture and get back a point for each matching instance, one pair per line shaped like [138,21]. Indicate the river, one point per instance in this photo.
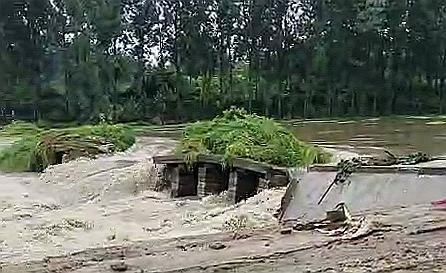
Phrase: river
[88,204]
[397,134]
[401,135]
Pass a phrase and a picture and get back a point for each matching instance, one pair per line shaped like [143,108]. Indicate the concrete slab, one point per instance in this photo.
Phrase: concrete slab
[362,192]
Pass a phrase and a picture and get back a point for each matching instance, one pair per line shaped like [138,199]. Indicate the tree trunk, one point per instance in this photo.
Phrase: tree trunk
[353,103]
[441,95]
[221,64]
[330,102]
[306,107]
[230,69]
[391,102]
[375,103]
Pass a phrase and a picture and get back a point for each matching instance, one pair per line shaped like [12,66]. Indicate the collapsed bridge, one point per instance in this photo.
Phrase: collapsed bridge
[207,176]
[311,192]
[367,189]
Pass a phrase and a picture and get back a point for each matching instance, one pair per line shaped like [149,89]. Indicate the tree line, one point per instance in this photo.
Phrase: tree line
[73,60]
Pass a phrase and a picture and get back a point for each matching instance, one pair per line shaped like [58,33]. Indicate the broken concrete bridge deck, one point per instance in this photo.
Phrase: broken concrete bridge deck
[368,188]
[238,163]
[207,175]
[429,168]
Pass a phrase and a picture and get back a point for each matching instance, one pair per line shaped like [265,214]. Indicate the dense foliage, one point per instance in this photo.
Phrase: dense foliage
[70,60]
[238,134]
[37,149]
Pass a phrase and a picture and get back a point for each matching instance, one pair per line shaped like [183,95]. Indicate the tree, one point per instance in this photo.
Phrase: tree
[70,60]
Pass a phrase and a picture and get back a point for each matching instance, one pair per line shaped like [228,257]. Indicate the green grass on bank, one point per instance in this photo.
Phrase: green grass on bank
[38,148]
[20,129]
[238,134]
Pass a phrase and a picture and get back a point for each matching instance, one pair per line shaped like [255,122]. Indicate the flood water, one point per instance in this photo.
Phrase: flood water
[400,135]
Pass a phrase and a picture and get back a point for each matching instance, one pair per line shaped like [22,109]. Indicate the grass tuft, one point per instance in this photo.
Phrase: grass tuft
[238,134]
[37,149]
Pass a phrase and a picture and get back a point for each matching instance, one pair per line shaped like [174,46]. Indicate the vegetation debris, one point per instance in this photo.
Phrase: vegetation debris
[239,134]
[38,149]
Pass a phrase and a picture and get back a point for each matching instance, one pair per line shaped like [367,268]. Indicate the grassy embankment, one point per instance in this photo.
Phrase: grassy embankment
[238,134]
[36,148]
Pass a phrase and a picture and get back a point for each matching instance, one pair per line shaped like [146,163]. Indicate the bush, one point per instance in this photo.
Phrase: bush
[18,157]
[238,134]
[38,149]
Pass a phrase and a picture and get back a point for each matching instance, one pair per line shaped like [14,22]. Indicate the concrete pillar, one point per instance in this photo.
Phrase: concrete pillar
[242,185]
[173,175]
[201,188]
[211,180]
[232,186]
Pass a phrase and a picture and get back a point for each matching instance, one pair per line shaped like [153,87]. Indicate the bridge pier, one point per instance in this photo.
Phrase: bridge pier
[183,182]
[207,176]
[212,179]
[242,185]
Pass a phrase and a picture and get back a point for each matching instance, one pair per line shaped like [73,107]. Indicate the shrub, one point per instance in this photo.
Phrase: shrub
[238,134]
[18,157]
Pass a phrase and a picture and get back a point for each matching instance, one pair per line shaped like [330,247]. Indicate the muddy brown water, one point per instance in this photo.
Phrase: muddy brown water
[400,135]
[86,204]
[42,217]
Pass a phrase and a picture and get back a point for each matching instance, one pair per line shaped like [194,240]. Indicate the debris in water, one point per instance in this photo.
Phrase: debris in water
[339,214]
[67,224]
[286,230]
[345,169]
[112,236]
[236,224]
[337,222]
[217,246]
[439,205]
[119,267]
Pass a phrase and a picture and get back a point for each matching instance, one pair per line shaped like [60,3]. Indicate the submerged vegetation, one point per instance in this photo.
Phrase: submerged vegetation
[238,134]
[37,148]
